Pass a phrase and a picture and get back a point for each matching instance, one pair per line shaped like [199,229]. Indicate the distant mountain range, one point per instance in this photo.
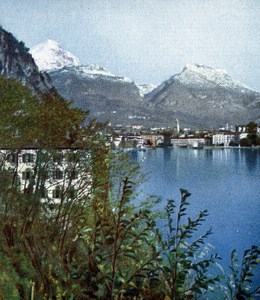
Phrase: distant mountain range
[198,96]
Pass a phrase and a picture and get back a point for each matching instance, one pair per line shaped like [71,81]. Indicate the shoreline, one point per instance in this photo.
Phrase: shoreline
[190,147]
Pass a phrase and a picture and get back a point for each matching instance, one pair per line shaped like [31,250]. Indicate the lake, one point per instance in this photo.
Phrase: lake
[225,181]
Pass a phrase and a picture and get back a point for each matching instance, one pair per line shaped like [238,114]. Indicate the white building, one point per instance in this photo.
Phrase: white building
[189,142]
[58,175]
[225,139]
[243,135]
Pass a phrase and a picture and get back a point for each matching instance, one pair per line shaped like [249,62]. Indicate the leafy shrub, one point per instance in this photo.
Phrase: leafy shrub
[180,275]
[240,280]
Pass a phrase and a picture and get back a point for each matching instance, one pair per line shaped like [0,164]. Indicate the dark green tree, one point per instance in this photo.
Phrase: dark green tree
[252,133]
[28,121]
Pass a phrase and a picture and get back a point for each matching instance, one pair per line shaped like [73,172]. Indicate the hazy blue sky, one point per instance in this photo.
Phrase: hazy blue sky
[145,40]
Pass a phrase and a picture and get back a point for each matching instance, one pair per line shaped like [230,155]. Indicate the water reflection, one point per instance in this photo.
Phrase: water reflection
[167,154]
[251,158]
[134,154]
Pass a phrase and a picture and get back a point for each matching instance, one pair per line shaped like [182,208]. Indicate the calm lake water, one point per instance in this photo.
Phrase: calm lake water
[224,181]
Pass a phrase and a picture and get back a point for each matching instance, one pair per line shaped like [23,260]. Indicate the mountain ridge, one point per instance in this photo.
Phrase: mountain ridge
[50,57]
[197,96]
[208,94]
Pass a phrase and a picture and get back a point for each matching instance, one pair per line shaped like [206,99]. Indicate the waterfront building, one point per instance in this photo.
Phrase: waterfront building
[188,142]
[222,139]
[153,139]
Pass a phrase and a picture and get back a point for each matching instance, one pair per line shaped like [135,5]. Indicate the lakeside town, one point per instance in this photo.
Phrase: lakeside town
[63,169]
[137,136]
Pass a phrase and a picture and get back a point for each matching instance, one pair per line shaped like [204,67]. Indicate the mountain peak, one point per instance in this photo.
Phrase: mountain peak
[201,75]
[205,96]
[50,43]
[49,55]
[204,70]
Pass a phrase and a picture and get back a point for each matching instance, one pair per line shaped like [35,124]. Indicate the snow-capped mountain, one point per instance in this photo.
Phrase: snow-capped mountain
[92,70]
[50,55]
[91,87]
[199,95]
[203,95]
[200,75]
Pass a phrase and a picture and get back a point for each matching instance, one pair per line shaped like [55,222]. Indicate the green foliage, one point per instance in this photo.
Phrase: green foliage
[105,249]
[16,113]
[252,138]
[251,128]
[24,120]
[58,125]
[240,279]
[9,280]
[117,240]
[181,275]
[38,236]
[245,142]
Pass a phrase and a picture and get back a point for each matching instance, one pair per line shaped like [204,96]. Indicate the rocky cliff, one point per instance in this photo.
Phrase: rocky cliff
[106,96]
[17,63]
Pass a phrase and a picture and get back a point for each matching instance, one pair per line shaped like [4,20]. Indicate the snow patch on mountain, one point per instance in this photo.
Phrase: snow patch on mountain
[50,56]
[94,71]
[146,88]
[200,75]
